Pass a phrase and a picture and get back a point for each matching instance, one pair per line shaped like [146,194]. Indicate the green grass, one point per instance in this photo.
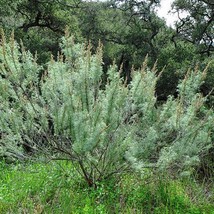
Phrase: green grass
[56,188]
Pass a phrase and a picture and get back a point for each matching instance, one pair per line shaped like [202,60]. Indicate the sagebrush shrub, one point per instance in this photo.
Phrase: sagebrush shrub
[67,111]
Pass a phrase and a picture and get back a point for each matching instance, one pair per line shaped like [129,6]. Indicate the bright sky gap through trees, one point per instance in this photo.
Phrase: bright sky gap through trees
[164,12]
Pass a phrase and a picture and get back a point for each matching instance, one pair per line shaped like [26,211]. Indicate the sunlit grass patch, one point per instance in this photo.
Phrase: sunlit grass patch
[55,187]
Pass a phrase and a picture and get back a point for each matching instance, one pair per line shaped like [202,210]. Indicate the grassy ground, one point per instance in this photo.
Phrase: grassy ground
[56,188]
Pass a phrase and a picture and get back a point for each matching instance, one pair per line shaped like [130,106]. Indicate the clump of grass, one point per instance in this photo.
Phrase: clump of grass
[158,194]
[56,188]
[30,186]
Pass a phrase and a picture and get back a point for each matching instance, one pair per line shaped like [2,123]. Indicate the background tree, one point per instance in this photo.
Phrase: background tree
[41,24]
[198,25]
[197,28]
[129,30]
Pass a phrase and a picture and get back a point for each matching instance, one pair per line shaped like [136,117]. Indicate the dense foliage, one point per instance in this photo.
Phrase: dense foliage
[129,30]
[112,100]
[104,128]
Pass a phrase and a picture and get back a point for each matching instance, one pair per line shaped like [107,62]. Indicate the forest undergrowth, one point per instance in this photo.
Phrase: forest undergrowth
[55,187]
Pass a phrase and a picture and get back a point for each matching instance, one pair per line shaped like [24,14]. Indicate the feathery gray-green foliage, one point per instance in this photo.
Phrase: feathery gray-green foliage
[103,128]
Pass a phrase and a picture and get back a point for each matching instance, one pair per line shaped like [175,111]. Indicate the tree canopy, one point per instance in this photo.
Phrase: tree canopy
[129,31]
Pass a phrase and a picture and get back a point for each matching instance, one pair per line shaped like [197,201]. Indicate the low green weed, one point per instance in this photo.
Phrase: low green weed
[56,188]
